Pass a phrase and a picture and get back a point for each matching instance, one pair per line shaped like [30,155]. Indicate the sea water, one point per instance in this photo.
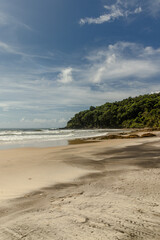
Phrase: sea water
[48,137]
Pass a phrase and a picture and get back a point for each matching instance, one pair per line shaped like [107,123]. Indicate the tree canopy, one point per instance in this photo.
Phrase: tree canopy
[137,112]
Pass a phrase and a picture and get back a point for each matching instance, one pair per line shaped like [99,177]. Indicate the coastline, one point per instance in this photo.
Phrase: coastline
[107,188]
[25,138]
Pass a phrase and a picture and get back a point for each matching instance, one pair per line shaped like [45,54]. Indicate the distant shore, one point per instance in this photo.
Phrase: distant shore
[103,189]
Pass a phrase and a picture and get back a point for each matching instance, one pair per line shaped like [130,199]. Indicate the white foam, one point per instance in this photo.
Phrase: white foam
[32,136]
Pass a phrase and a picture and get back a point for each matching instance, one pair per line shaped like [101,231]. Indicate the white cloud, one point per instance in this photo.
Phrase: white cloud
[123,60]
[34,94]
[62,120]
[138,10]
[123,9]
[65,76]
[153,7]
[39,120]
[108,70]
[7,48]
[114,12]
[8,20]
[124,68]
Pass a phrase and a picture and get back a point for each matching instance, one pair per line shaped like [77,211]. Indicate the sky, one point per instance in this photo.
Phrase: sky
[59,57]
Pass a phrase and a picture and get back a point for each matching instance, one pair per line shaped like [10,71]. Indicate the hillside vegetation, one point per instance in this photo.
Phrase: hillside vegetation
[137,112]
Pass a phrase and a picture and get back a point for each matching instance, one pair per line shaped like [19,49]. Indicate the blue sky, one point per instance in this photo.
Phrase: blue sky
[58,57]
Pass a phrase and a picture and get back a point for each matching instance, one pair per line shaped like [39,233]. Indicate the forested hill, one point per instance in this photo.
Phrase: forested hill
[137,112]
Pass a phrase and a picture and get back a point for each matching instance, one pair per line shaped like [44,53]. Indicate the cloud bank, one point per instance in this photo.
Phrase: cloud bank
[47,75]
[109,73]
[124,60]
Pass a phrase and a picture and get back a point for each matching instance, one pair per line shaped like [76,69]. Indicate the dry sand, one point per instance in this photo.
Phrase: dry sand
[103,190]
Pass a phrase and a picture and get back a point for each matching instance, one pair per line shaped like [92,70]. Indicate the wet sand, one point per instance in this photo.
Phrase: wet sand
[101,190]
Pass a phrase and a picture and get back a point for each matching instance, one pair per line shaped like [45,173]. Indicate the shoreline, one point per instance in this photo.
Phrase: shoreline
[114,134]
[107,188]
[44,138]
[34,160]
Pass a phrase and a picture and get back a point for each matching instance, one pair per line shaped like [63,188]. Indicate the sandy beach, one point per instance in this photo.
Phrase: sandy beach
[101,190]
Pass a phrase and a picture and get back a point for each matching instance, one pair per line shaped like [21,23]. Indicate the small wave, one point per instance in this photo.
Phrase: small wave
[30,136]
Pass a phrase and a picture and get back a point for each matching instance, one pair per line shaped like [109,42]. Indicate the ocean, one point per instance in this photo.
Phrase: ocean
[15,138]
